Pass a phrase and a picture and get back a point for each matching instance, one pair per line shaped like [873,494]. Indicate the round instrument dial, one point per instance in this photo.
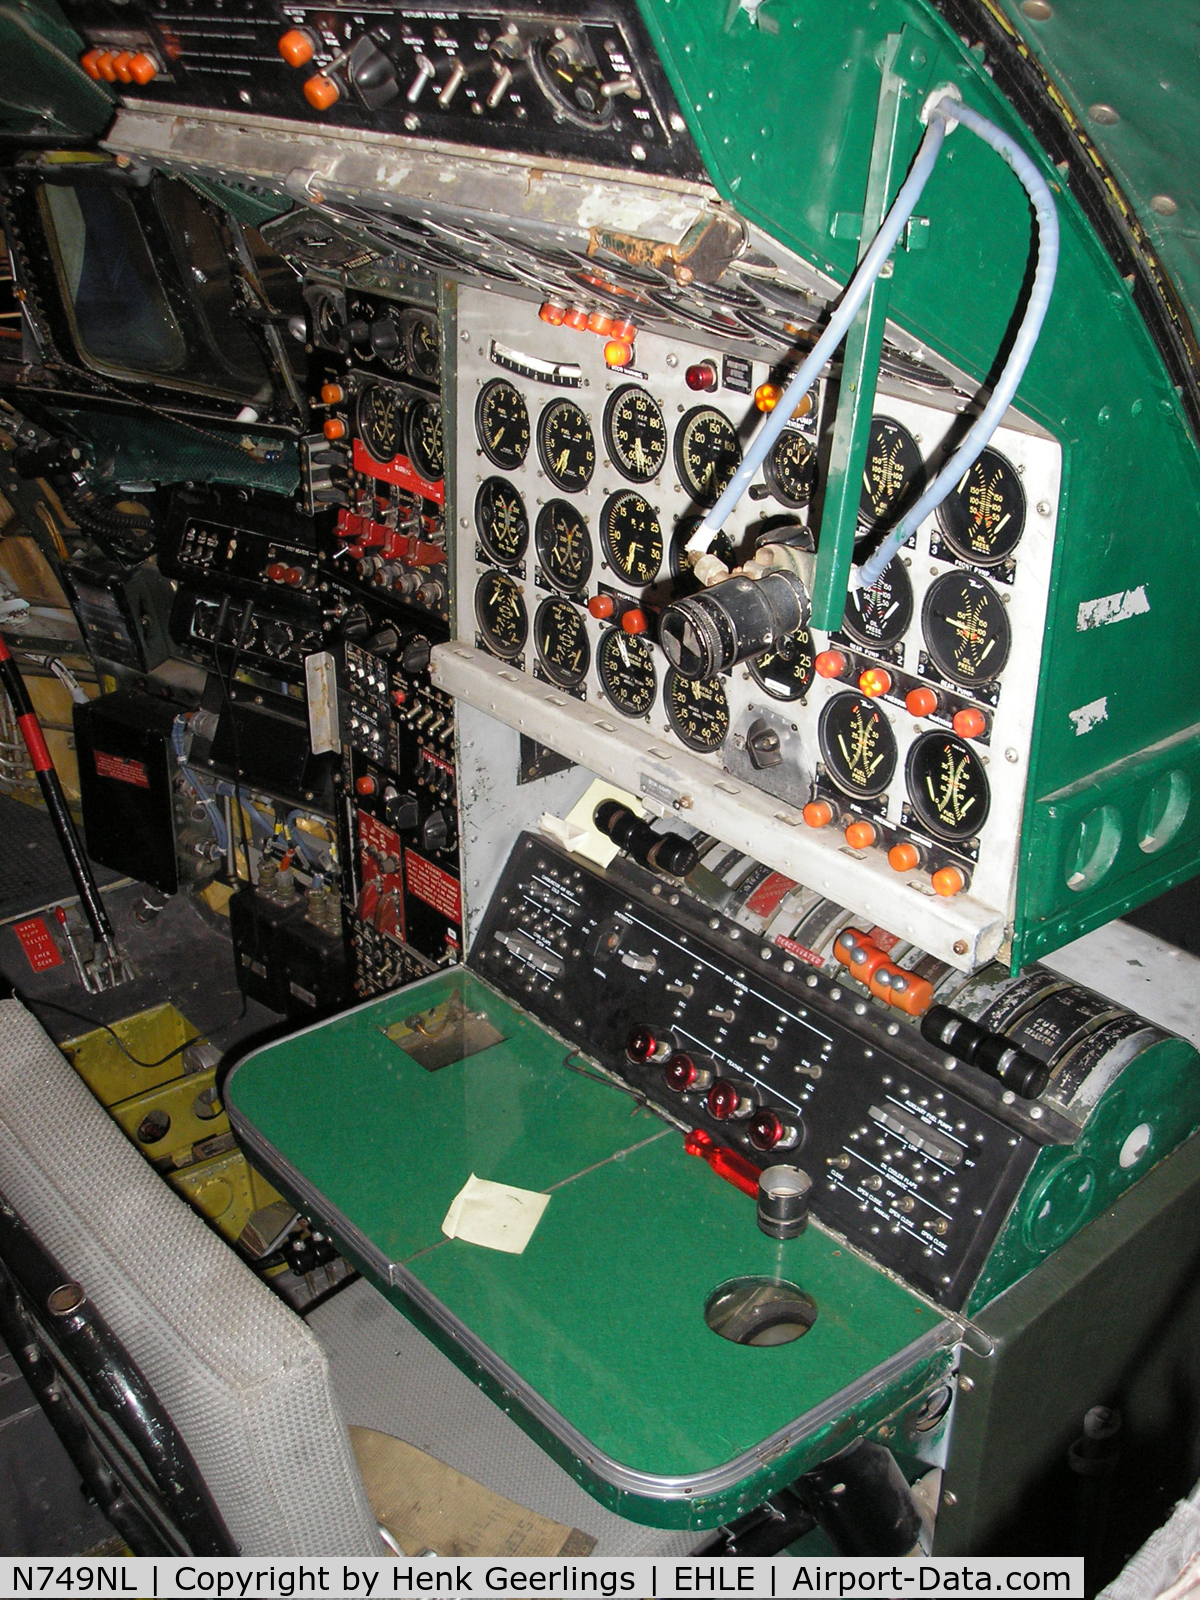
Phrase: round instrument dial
[564,546]
[966,628]
[500,613]
[501,521]
[625,663]
[502,423]
[423,438]
[878,617]
[858,745]
[790,469]
[786,672]
[566,446]
[422,346]
[635,434]
[983,517]
[632,537]
[948,787]
[707,453]
[697,710]
[380,417]
[893,470]
[562,643]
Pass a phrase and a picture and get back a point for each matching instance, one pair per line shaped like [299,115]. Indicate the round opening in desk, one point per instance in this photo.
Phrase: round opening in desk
[760,1311]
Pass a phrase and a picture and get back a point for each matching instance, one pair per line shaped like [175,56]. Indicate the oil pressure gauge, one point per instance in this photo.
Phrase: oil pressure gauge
[948,787]
[983,517]
[635,434]
[892,471]
[858,745]
[878,617]
[500,613]
[966,628]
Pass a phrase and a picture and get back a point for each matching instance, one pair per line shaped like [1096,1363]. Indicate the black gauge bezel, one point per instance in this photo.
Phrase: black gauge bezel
[837,765]
[506,649]
[577,481]
[897,624]
[617,400]
[398,405]
[488,490]
[789,684]
[507,459]
[698,493]
[955,527]
[774,473]
[690,686]
[432,471]
[607,515]
[612,639]
[566,615]
[412,320]
[926,813]
[544,543]
[997,610]
[869,519]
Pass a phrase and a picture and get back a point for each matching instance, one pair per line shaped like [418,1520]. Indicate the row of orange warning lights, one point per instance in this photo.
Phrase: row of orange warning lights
[119,66]
[902,857]
[968,723]
[618,332]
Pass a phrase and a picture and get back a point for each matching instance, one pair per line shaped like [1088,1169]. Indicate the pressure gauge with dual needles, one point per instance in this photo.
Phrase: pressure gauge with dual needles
[948,787]
[380,418]
[423,439]
[966,627]
[501,522]
[879,616]
[983,516]
[858,745]
[564,546]
[561,641]
[501,615]
[892,472]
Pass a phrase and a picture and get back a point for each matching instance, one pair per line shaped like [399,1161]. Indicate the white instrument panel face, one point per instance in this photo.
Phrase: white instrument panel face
[576,483]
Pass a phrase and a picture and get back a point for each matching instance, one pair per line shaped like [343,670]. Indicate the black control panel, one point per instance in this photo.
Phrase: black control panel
[782,1067]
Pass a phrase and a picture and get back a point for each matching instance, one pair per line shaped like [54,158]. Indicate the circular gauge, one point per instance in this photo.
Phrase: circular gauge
[877,617]
[787,671]
[500,612]
[983,518]
[380,421]
[564,546]
[632,537]
[423,437]
[562,642]
[966,628]
[790,470]
[502,423]
[858,745]
[566,446]
[635,434]
[893,469]
[697,710]
[625,663]
[948,787]
[501,522]
[422,347]
[707,453]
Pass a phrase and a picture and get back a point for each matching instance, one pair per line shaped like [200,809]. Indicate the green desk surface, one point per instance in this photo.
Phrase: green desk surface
[595,1337]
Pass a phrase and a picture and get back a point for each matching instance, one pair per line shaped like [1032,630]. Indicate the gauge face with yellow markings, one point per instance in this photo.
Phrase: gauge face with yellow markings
[564,546]
[948,787]
[707,453]
[501,522]
[790,470]
[878,617]
[566,445]
[966,628]
[380,421]
[561,641]
[697,710]
[983,517]
[625,663]
[858,745]
[423,437]
[787,671]
[500,613]
[632,537]
[892,472]
[635,433]
[421,343]
[502,423]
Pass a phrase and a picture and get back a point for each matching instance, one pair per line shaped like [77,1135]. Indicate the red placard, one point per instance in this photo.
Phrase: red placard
[764,902]
[800,951]
[399,470]
[38,944]
[432,884]
[123,768]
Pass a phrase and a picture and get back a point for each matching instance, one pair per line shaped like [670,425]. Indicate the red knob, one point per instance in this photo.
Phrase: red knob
[321,92]
[634,620]
[641,1045]
[767,1131]
[830,664]
[969,723]
[276,571]
[681,1073]
[724,1101]
[293,576]
[364,786]
[921,702]
[602,606]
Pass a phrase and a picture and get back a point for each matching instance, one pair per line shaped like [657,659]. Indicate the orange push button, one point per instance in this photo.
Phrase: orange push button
[602,606]
[948,881]
[874,681]
[296,47]
[90,62]
[921,702]
[321,92]
[818,813]
[904,857]
[143,68]
[121,63]
[969,723]
[617,353]
[553,312]
[332,394]
[104,62]
[600,322]
[576,317]
[335,428]
[860,835]
[634,620]
[830,664]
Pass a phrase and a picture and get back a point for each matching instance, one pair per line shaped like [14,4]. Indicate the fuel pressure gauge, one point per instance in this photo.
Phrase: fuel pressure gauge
[858,745]
[502,424]
[948,787]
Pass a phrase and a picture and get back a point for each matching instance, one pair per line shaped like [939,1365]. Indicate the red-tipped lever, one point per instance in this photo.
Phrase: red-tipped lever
[727,1164]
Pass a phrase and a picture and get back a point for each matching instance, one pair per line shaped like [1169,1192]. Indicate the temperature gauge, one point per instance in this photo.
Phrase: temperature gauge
[501,522]
[500,613]
[564,545]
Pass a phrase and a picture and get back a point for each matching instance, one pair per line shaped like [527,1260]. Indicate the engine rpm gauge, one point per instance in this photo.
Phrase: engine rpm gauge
[858,745]
[564,546]
[500,613]
[877,617]
[632,537]
[562,642]
[566,446]
[707,453]
[893,470]
[502,423]
[790,469]
[983,516]
[966,628]
[697,710]
[380,421]
[948,787]
[501,522]
[787,671]
[625,663]
[635,434]
[423,439]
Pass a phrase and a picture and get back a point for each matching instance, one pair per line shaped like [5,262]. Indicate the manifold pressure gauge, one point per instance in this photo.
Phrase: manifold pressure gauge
[501,522]
[635,434]
[697,710]
[625,663]
[858,745]
[632,537]
[500,613]
[502,423]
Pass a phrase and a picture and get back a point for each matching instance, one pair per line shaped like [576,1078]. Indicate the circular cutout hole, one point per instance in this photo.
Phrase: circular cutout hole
[1135,1145]
[1097,840]
[66,1298]
[155,1125]
[1163,811]
[760,1311]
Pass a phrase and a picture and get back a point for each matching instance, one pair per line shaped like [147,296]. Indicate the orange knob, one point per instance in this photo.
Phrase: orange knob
[105,63]
[601,606]
[859,835]
[296,47]
[874,681]
[921,702]
[600,322]
[830,664]
[634,620]
[364,785]
[622,328]
[552,312]
[908,993]
[121,63]
[904,857]
[143,68]
[969,723]
[818,813]
[335,428]
[948,881]
[618,353]
[321,92]
[332,394]
[90,62]
[576,318]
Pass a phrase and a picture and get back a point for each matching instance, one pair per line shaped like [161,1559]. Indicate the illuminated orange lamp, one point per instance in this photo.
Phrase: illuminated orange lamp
[829,664]
[553,312]
[331,394]
[618,353]
[874,682]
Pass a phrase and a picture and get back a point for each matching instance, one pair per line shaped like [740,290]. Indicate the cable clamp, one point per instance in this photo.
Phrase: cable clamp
[944,91]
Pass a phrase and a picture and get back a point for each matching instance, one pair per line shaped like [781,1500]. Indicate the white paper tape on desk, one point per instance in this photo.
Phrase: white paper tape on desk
[494,1215]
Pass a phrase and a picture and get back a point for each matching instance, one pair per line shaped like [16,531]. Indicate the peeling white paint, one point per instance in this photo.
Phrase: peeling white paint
[1108,608]
[1086,718]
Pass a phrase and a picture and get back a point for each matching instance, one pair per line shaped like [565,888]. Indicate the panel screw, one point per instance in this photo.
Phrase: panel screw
[1106,116]
[960,947]
[1164,205]
[1037,10]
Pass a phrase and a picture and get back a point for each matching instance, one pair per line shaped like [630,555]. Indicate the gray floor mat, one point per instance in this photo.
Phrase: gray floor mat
[388,1376]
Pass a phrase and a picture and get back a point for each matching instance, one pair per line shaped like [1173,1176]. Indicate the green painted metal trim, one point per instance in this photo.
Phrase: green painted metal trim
[251,210]
[44,90]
